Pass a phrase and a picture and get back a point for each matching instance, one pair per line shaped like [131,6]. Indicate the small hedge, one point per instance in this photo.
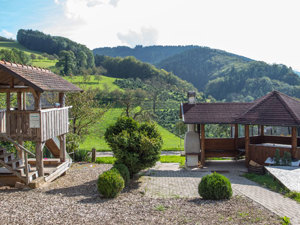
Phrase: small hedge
[110,183]
[123,171]
[215,187]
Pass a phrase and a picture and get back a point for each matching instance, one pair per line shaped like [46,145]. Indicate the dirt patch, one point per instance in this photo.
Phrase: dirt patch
[73,199]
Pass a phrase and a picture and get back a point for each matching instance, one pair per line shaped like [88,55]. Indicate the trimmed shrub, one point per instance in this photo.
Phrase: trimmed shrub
[123,171]
[135,145]
[215,187]
[110,183]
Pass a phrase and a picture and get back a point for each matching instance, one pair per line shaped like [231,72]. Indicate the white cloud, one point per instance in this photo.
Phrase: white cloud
[146,36]
[263,30]
[7,34]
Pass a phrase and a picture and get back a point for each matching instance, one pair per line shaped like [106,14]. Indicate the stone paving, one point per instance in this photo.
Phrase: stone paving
[289,176]
[168,180]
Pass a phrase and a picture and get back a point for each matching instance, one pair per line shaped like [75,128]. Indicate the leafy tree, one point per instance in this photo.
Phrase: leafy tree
[85,111]
[67,62]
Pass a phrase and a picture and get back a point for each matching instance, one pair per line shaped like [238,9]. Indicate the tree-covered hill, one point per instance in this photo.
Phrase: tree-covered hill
[150,54]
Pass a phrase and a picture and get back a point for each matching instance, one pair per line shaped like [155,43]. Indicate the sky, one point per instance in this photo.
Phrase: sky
[266,30]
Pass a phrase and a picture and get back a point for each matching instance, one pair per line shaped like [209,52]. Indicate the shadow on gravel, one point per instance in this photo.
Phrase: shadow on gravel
[199,201]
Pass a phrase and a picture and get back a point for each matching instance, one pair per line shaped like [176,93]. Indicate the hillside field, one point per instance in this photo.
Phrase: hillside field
[96,137]
[43,63]
[93,83]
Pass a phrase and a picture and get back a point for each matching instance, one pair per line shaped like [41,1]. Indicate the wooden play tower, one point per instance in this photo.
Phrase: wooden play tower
[43,125]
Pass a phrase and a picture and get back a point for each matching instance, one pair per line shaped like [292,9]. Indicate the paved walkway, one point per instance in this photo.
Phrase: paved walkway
[106,154]
[167,180]
[289,176]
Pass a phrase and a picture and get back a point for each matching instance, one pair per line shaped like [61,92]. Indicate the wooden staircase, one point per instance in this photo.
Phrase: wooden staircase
[16,166]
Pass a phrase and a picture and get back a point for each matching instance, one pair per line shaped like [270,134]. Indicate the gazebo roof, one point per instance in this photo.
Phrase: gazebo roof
[275,109]
[39,79]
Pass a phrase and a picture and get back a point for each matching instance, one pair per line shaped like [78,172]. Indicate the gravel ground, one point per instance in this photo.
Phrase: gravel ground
[73,199]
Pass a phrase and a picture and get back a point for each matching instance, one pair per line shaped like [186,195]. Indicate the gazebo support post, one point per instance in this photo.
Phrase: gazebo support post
[39,145]
[62,138]
[236,136]
[19,124]
[247,143]
[202,144]
[294,141]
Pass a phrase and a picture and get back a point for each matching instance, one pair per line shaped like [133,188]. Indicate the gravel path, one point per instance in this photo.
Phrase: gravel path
[73,199]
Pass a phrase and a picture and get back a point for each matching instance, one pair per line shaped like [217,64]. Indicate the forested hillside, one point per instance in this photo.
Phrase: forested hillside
[230,77]
[150,54]
[77,56]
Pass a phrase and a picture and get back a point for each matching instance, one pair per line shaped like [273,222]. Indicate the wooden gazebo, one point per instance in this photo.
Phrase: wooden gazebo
[42,125]
[274,109]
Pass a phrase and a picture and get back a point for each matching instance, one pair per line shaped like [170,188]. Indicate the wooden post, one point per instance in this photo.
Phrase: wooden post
[236,136]
[247,142]
[63,151]
[39,158]
[93,155]
[262,130]
[37,101]
[24,101]
[8,113]
[294,142]
[202,144]
[62,99]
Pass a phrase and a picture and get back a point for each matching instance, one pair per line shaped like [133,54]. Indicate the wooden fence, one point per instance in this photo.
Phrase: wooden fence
[50,123]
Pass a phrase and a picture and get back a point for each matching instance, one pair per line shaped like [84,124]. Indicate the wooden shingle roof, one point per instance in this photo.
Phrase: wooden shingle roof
[275,109]
[39,79]
[212,113]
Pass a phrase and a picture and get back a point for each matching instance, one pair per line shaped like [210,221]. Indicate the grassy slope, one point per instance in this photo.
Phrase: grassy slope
[44,63]
[96,137]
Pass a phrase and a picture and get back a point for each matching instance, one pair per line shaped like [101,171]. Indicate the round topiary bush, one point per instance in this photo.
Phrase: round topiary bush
[110,183]
[123,170]
[215,187]
[135,145]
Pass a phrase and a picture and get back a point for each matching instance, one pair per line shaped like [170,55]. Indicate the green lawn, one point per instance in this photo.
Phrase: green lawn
[93,83]
[163,159]
[96,137]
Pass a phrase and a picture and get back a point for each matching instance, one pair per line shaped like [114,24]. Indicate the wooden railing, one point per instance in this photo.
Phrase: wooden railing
[54,122]
[49,123]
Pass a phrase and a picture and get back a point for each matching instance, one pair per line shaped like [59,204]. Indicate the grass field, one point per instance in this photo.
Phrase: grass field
[96,137]
[93,83]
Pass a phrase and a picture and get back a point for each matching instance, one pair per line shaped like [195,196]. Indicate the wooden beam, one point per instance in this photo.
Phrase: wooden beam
[202,144]
[39,158]
[236,135]
[5,90]
[294,142]
[247,143]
